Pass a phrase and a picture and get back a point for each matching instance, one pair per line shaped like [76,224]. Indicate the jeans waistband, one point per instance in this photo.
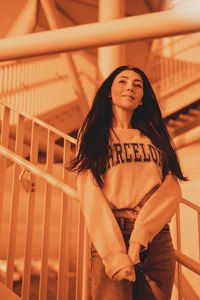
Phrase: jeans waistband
[128,223]
[125,213]
[125,223]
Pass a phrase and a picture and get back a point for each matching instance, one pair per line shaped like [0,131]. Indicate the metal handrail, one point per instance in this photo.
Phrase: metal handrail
[187,262]
[165,23]
[191,205]
[39,172]
[41,123]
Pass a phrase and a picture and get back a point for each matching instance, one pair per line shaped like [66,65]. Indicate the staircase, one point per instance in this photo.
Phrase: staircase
[184,119]
[38,199]
[42,87]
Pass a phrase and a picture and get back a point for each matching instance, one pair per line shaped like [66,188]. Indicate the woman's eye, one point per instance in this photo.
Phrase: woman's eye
[138,85]
[122,81]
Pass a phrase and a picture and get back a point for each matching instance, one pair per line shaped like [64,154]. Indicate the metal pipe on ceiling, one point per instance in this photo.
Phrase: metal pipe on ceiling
[148,26]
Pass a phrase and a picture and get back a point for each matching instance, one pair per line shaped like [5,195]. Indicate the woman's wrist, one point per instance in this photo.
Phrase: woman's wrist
[134,252]
[127,273]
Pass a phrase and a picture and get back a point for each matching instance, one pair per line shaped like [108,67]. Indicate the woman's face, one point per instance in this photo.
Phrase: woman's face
[127,90]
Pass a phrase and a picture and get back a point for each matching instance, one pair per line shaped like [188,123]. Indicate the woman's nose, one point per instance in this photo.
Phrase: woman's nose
[130,89]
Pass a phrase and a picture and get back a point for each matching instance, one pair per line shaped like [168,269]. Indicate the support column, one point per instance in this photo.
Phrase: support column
[110,57]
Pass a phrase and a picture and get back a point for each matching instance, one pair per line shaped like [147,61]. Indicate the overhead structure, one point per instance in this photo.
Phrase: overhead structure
[25,24]
[165,23]
[110,57]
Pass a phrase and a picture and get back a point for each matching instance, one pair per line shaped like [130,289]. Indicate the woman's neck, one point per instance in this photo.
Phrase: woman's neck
[122,120]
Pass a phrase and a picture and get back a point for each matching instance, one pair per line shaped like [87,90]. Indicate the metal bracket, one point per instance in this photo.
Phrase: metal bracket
[28,185]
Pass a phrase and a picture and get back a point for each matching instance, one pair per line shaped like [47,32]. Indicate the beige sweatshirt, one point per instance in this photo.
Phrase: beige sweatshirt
[134,173]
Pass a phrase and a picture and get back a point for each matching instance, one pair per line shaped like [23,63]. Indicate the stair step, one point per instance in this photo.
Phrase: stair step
[195,112]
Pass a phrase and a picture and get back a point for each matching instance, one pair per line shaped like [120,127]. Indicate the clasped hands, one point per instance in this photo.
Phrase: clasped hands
[128,272]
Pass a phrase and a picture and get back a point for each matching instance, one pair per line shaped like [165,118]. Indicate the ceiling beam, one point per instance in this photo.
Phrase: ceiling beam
[165,23]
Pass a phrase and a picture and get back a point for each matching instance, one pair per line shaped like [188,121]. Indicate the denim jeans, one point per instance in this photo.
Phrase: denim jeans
[154,274]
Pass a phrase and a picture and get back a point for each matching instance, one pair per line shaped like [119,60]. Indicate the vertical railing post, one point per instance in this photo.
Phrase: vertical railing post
[86,266]
[64,255]
[14,204]
[23,84]
[179,271]
[80,257]
[3,160]
[47,215]
[30,216]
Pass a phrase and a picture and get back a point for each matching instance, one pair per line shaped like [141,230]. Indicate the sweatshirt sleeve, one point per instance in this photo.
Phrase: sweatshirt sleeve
[102,225]
[157,211]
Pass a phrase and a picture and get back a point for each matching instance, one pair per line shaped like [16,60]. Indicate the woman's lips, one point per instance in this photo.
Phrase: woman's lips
[130,96]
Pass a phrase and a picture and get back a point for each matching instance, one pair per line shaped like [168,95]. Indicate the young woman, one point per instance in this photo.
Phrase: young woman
[128,175]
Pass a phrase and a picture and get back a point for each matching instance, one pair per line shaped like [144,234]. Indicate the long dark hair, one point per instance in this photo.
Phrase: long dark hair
[93,137]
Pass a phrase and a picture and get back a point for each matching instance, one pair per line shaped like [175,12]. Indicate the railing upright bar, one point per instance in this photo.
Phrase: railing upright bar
[47,219]
[32,92]
[16,79]
[171,66]
[33,82]
[80,257]
[30,216]
[18,75]
[64,254]
[179,271]
[4,142]
[179,71]
[41,89]
[12,72]
[29,81]
[14,204]
[36,64]
[5,76]
[5,126]
[86,265]
[27,90]
[22,83]
[3,79]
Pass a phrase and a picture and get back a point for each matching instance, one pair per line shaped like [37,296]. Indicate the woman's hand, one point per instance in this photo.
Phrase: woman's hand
[127,273]
[134,252]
